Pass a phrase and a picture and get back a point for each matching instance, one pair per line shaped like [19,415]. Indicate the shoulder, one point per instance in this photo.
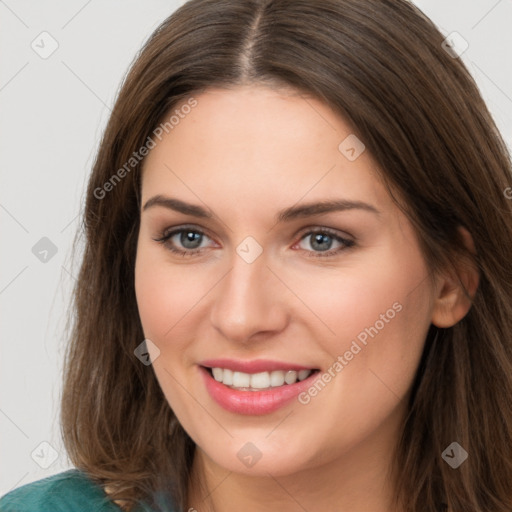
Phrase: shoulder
[69,491]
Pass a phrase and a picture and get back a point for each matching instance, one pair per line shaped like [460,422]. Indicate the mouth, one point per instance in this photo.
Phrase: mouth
[248,388]
[260,381]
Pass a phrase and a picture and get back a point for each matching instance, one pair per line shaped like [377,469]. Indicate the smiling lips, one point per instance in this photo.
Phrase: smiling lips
[257,381]
[254,387]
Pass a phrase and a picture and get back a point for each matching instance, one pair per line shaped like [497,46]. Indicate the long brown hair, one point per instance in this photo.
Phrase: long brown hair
[381,65]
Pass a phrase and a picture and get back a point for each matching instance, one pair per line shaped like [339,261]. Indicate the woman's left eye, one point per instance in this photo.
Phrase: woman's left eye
[322,239]
[189,241]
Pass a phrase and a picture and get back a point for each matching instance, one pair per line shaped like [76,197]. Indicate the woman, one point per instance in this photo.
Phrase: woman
[295,291]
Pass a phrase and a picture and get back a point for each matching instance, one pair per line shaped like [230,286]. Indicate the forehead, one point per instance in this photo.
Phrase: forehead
[261,144]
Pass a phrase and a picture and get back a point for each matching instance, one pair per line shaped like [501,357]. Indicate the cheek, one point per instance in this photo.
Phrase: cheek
[153,302]
[343,303]
[380,354]
[376,315]
[164,297]
[164,294]
[381,321]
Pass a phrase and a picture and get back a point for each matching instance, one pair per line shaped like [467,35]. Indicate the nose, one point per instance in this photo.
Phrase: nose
[250,302]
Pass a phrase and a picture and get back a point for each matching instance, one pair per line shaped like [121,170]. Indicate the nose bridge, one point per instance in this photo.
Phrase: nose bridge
[247,300]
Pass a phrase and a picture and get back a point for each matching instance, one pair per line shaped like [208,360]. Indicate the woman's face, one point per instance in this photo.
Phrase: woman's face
[275,286]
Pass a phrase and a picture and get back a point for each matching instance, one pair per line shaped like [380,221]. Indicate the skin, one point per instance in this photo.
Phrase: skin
[245,154]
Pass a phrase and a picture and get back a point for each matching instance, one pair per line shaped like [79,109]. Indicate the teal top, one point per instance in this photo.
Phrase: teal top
[69,491]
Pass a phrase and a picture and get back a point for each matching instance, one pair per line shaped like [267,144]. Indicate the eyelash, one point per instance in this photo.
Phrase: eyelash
[167,235]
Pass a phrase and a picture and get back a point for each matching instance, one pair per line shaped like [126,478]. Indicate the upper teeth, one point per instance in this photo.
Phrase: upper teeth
[260,380]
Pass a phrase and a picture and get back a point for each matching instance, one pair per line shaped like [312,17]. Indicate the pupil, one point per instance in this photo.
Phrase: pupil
[321,238]
[189,237]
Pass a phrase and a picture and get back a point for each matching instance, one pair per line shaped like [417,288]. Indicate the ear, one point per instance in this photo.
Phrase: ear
[456,288]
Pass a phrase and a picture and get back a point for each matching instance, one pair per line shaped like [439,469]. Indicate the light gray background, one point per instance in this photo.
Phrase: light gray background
[52,114]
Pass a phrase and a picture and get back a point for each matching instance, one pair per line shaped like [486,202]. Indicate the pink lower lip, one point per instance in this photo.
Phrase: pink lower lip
[254,402]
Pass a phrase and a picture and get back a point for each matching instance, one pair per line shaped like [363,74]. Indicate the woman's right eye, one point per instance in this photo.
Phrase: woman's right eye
[189,238]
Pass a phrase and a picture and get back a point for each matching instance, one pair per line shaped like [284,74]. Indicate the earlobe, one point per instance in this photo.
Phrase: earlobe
[456,288]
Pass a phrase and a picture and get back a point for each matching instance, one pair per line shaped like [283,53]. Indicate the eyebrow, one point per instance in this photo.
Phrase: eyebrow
[286,215]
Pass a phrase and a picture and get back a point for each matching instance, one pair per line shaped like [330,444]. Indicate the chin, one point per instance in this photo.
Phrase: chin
[259,456]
